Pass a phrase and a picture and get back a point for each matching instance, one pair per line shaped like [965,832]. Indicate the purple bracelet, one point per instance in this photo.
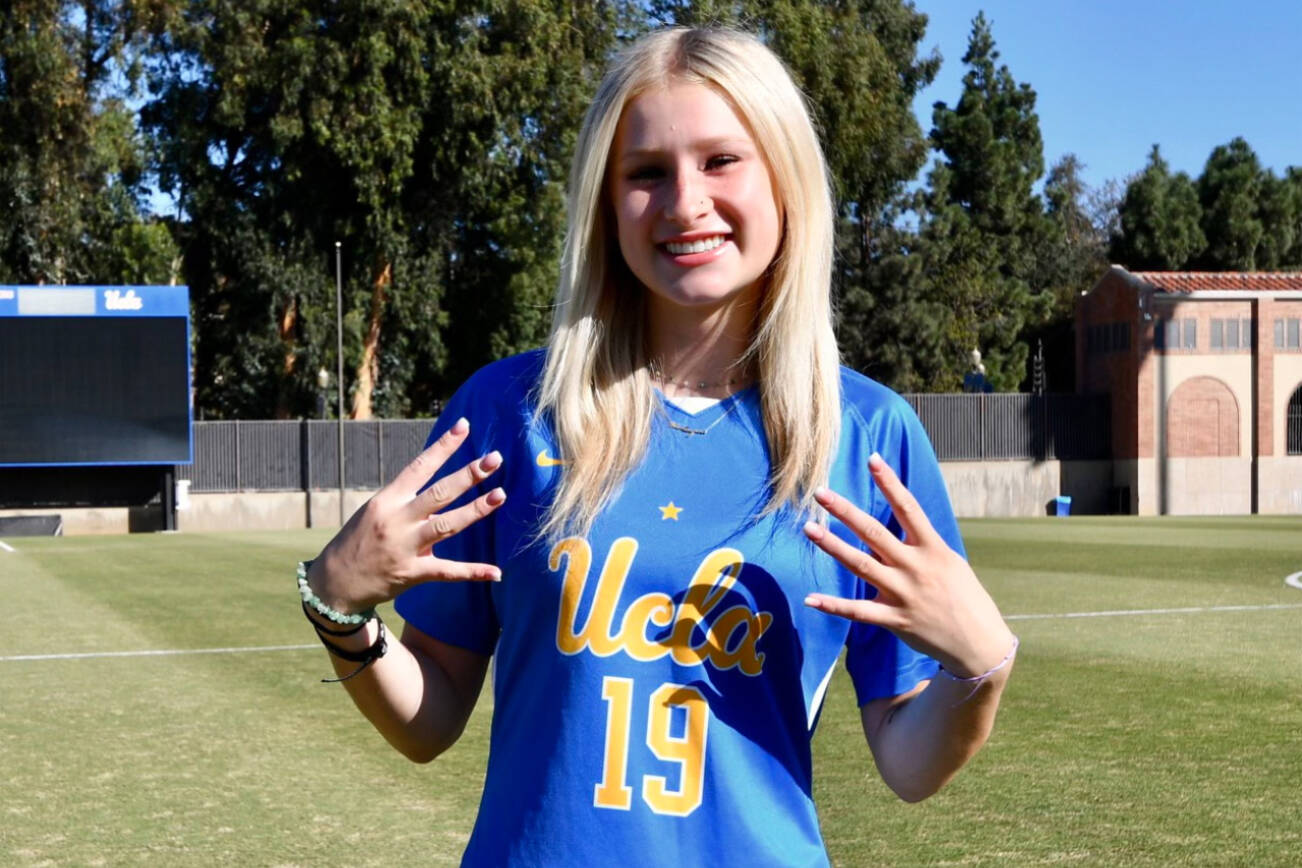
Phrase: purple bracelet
[977,680]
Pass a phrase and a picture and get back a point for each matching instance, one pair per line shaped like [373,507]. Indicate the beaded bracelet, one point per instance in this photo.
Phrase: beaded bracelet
[311,599]
[977,680]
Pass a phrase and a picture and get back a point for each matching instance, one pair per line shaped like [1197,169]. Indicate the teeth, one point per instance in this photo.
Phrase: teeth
[699,246]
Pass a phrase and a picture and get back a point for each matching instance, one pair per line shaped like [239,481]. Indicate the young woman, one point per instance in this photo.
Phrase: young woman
[695,511]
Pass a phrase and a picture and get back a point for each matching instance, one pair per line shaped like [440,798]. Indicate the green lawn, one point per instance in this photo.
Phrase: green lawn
[1161,738]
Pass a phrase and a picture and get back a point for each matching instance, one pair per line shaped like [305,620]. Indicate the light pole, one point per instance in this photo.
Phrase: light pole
[339,360]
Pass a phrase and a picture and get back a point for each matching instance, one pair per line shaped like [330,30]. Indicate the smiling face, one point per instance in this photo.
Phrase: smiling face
[695,212]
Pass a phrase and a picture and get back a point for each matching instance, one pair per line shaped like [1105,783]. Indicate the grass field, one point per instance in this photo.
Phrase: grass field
[1168,732]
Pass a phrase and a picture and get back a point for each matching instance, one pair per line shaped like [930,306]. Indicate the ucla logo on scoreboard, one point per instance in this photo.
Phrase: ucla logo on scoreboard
[116,299]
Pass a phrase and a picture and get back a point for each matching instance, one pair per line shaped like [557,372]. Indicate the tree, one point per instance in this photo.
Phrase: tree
[1070,260]
[1160,220]
[859,64]
[1230,192]
[1280,212]
[984,225]
[428,138]
[504,112]
[72,163]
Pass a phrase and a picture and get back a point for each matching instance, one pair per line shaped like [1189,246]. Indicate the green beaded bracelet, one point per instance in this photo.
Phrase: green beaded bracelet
[311,599]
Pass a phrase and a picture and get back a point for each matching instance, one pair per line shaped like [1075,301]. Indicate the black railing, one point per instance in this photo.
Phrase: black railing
[1010,427]
[302,455]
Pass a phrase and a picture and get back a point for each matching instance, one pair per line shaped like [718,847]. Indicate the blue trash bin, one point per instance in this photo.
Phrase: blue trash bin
[1062,505]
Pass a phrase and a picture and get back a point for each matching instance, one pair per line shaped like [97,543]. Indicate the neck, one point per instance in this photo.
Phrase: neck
[692,346]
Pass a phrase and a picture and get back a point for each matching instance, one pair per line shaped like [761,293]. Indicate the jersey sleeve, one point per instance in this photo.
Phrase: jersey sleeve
[880,664]
[461,613]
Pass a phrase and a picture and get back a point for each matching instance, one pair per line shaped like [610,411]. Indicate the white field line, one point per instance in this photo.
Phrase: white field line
[1294,581]
[1187,610]
[4,545]
[175,652]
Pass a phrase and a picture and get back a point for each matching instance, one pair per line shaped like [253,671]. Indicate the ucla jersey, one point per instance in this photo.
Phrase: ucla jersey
[657,682]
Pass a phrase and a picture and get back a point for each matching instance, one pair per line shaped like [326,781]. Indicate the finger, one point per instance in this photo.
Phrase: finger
[874,534]
[448,488]
[434,569]
[442,525]
[863,611]
[856,560]
[908,512]
[422,468]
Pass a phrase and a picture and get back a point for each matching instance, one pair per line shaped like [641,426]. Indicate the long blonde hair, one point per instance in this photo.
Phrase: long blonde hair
[596,386]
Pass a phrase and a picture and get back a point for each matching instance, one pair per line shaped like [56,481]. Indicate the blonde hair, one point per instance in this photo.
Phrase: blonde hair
[596,387]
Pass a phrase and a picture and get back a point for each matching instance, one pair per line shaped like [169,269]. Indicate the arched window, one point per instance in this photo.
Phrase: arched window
[1295,422]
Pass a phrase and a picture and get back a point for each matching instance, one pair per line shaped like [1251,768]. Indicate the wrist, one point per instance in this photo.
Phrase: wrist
[327,605]
[996,674]
[994,651]
[352,638]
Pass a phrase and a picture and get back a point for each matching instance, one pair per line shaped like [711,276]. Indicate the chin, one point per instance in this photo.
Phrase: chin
[700,298]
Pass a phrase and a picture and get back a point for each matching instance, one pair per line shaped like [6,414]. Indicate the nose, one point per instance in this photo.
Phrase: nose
[687,199]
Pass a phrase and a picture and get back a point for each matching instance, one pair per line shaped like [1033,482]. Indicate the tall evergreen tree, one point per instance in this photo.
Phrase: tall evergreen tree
[1230,192]
[1280,212]
[984,223]
[1160,220]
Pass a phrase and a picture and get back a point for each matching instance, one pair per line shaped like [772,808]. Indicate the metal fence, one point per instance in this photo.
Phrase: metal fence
[302,455]
[1016,426]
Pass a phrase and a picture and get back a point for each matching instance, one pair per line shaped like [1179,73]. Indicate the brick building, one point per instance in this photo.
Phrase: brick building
[1205,374]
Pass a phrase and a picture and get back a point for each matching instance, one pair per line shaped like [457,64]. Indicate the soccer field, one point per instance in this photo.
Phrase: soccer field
[160,704]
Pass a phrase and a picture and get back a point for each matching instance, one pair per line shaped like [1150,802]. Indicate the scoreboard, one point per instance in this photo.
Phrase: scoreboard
[95,375]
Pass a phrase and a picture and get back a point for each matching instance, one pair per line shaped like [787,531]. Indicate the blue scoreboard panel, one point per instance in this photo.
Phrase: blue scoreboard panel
[95,375]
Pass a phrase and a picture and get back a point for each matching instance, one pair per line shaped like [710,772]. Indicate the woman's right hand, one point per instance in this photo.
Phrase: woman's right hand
[385,547]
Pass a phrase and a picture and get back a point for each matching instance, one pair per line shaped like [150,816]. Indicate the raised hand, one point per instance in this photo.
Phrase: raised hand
[927,594]
[385,547]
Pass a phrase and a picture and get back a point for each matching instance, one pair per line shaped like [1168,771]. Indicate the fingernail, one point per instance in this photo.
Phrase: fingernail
[875,461]
[497,496]
[811,601]
[491,461]
[495,575]
[822,494]
[813,530]
[461,426]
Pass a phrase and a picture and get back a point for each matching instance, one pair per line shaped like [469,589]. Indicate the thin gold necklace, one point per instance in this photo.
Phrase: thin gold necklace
[687,429]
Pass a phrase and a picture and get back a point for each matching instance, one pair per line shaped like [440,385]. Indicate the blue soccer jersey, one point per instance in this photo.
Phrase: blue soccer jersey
[657,682]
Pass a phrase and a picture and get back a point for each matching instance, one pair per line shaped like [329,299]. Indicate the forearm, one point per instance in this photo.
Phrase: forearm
[405,695]
[418,694]
[920,744]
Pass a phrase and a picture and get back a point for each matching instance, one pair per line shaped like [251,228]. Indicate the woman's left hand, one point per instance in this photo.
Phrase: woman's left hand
[927,593]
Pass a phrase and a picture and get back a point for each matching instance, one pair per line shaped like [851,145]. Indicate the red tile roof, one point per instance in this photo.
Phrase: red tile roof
[1189,281]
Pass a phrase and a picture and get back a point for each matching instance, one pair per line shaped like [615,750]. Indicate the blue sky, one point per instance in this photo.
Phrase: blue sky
[1112,77]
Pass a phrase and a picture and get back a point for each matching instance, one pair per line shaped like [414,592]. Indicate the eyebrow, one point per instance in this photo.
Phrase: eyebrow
[711,144]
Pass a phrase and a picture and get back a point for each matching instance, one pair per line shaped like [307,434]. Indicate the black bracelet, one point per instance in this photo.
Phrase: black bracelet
[365,657]
[307,610]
